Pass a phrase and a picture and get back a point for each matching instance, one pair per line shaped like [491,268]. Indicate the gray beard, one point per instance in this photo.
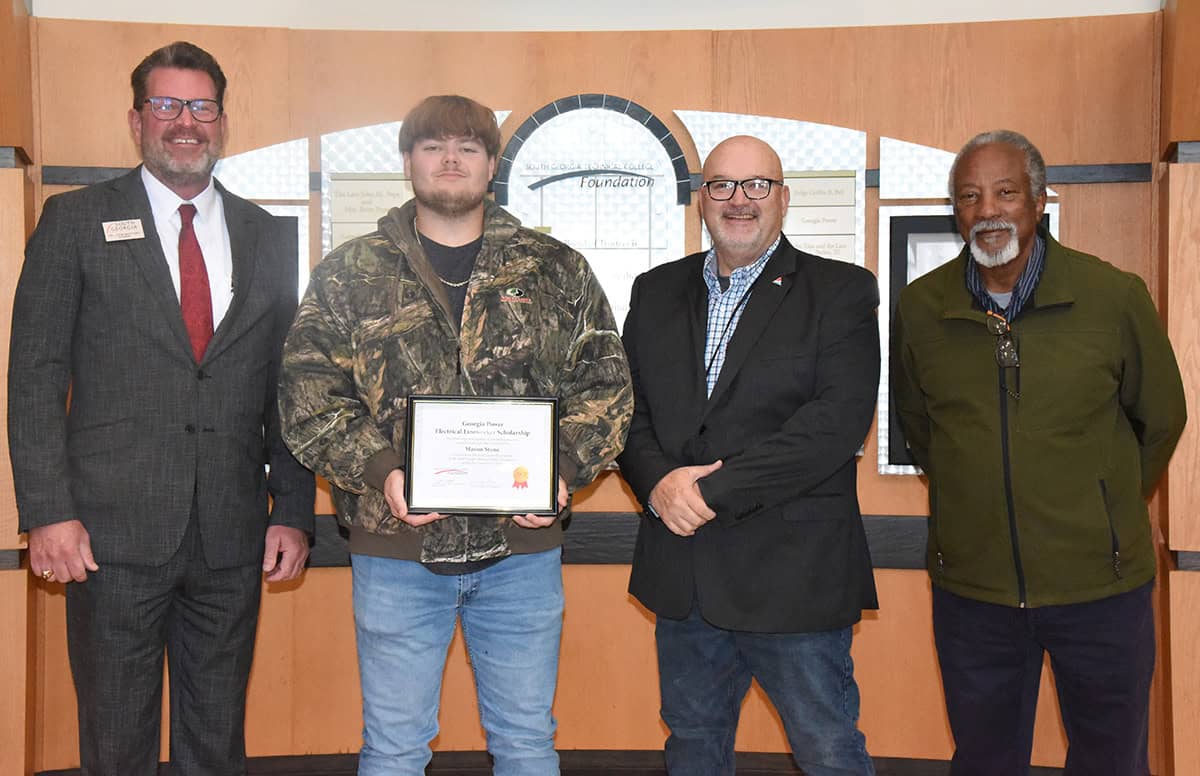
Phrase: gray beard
[178,174]
[1001,257]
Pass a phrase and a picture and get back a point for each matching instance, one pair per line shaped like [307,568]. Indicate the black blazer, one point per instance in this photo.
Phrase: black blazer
[787,551]
[148,428]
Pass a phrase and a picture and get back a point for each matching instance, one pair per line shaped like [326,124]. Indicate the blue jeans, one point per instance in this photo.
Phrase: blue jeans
[404,619]
[1102,655]
[705,671]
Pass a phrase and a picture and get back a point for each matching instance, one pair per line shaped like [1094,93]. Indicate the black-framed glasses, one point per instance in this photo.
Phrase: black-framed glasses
[1006,347]
[753,188]
[169,108]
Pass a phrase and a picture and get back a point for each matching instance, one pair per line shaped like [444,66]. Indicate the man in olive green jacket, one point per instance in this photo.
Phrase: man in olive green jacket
[1039,393]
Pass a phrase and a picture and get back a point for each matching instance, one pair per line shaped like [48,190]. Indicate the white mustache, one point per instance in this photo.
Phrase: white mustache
[1003,255]
[993,225]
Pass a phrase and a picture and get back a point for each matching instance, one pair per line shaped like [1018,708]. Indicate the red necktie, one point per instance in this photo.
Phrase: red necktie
[195,299]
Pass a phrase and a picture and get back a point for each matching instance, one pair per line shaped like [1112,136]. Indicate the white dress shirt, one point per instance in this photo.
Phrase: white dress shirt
[211,232]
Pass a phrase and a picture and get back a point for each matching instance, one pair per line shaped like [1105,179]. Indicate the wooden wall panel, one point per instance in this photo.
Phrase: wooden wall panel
[14,185]
[304,695]
[1180,64]
[608,674]
[304,662]
[1185,670]
[324,502]
[16,678]
[1112,221]
[16,83]
[287,84]
[55,725]
[1161,690]
[85,64]
[1183,311]
[816,75]
[888,494]
[520,72]
[608,493]
[941,84]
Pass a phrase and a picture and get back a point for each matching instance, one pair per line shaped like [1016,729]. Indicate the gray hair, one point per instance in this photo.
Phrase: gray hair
[1035,165]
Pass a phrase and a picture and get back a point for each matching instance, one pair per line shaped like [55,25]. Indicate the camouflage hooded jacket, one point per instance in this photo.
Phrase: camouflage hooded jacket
[374,327]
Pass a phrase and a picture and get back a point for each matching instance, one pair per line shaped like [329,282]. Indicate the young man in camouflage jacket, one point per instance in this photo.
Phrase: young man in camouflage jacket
[451,296]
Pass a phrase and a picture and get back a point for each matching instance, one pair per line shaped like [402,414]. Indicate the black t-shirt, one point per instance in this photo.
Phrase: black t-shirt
[453,265]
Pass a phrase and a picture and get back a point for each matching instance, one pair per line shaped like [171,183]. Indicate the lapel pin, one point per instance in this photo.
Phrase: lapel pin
[778,281]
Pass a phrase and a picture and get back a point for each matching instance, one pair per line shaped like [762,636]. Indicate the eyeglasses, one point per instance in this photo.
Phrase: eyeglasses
[753,188]
[1006,346]
[1006,351]
[169,108]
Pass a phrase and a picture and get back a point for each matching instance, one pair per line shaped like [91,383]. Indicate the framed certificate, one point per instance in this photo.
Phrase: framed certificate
[484,455]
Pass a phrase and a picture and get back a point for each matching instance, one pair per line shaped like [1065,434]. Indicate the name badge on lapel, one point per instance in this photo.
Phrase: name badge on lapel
[116,231]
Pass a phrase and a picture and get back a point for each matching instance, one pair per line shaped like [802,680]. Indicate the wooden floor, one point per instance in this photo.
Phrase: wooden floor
[574,763]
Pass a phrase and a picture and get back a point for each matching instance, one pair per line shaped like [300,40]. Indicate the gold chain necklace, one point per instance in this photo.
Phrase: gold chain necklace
[459,284]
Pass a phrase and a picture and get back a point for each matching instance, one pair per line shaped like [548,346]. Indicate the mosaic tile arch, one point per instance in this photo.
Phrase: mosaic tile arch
[654,125]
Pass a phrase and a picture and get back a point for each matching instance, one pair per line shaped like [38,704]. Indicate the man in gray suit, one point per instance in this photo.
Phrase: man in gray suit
[158,301]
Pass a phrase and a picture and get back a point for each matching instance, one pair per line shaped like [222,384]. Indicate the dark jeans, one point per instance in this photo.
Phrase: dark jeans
[1102,655]
[705,671]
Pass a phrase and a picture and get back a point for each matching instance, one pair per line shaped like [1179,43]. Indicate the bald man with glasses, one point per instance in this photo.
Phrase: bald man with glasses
[755,368]
[158,302]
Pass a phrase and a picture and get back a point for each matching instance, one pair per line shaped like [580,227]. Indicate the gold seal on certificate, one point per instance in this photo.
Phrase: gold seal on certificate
[483,455]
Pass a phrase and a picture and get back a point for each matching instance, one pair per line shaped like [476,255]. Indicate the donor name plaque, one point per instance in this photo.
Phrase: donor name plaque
[482,455]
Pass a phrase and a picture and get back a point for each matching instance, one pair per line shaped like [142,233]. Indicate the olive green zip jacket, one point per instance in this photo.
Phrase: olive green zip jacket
[1038,500]
[375,326]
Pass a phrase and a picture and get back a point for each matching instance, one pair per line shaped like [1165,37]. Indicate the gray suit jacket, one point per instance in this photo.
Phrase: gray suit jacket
[148,429]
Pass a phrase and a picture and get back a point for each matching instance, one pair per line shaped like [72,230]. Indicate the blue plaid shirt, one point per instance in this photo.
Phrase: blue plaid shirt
[725,308]
[1022,292]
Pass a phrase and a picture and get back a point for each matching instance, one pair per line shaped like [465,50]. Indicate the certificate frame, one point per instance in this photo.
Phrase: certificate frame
[482,455]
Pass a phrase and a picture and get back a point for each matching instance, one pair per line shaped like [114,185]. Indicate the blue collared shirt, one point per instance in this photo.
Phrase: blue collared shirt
[725,308]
